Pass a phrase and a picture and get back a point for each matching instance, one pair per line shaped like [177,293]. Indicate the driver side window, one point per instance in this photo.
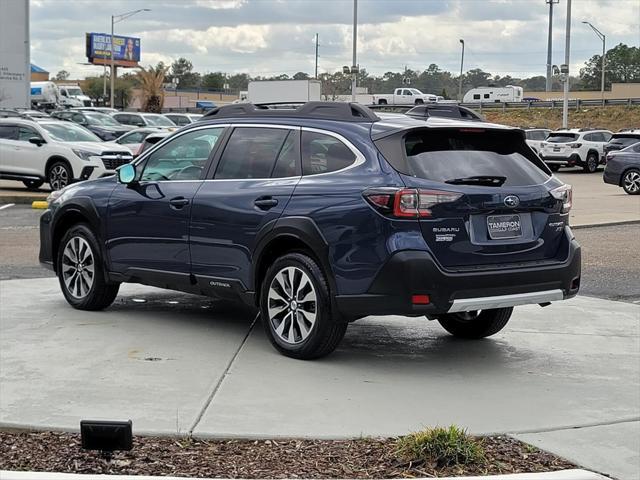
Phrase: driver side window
[182,158]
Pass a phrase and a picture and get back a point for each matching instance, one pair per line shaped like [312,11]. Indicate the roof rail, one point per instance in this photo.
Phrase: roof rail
[342,111]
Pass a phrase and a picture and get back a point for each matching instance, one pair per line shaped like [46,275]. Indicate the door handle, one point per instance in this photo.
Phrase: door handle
[265,203]
[178,202]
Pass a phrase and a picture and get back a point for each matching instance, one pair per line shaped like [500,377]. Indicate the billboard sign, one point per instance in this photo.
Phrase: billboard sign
[126,50]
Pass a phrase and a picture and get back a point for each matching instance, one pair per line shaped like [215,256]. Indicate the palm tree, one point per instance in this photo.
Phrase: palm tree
[151,80]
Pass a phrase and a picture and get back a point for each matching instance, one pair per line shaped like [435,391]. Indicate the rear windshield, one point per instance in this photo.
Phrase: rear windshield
[625,140]
[562,137]
[455,156]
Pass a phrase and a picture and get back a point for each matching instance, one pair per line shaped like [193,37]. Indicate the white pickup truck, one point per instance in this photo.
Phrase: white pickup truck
[405,96]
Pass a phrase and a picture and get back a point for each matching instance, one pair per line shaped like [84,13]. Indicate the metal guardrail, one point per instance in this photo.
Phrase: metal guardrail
[575,103]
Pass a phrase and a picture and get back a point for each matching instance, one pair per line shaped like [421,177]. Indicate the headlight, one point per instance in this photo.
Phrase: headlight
[84,154]
[54,196]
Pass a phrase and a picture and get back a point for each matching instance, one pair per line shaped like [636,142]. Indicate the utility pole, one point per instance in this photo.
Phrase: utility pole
[354,65]
[567,51]
[602,37]
[550,43]
[316,75]
[461,66]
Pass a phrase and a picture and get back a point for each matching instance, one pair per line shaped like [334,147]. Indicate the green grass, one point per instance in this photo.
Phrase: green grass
[445,447]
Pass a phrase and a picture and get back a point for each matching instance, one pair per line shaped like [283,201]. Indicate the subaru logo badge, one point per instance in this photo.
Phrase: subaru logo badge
[511,201]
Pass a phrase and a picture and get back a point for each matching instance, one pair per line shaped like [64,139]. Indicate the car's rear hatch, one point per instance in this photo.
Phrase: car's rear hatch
[489,200]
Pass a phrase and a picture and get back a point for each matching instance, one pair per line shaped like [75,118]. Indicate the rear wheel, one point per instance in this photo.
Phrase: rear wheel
[81,273]
[382,101]
[554,167]
[33,184]
[477,324]
[296,311]
[591,165]
[631,182]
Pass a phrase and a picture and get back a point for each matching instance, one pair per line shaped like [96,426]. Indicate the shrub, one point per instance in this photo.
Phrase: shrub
[443,446]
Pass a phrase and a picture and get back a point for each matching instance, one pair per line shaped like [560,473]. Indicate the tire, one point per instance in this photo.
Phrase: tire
[473,325]
[33,184]
[419,101]
[591,165]
[59,175]
[382,101]
[554,167]
[316,331]
[631,181]
[83,285]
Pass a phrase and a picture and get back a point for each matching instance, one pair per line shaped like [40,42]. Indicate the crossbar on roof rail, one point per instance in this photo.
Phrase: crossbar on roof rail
[341,111]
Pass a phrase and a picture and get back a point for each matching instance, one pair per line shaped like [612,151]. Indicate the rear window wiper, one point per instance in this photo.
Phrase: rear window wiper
[485,180]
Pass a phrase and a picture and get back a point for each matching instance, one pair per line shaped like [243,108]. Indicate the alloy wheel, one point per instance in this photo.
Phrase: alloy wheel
[292,305]
[58,177]
[632,182]
[78,267]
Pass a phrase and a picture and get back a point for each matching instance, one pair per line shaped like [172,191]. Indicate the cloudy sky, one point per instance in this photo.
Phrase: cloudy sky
[267,37]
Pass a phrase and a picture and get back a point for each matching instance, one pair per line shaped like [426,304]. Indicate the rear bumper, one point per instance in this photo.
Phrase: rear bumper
[412,272]
[568,161]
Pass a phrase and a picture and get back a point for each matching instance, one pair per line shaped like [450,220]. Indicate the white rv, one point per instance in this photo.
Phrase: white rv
[510,93]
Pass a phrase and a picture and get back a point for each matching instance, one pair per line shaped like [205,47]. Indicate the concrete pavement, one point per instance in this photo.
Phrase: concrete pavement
[176,364]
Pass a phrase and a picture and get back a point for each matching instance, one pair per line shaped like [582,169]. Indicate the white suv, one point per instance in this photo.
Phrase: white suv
[535,137]
[55,152]
[575,147]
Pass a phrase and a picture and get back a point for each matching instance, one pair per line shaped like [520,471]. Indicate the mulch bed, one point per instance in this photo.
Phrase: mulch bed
[363,458]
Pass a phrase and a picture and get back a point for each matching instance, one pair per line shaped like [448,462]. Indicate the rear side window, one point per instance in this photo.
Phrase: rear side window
[322,153]
[449,156]
[562,137]
[251,153]
[7,132]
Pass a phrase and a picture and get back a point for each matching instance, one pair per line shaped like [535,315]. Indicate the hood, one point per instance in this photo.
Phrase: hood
[99,147]
[112,128]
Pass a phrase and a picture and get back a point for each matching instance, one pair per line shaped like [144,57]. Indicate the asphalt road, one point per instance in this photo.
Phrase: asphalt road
[610,259]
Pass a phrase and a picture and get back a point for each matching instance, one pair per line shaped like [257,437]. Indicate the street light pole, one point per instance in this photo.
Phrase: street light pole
[316,75]
[602,37]
[567,51]
[354,75]
[461,66]
[115,19]
[550,43]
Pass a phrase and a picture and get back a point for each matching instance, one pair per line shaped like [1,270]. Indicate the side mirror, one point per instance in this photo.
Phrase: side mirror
[126,173]
[37,141]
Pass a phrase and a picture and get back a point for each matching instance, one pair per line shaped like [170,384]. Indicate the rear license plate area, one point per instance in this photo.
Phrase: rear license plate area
[502,227]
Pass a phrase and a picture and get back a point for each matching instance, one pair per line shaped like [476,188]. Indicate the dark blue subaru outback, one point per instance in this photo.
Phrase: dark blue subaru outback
[323,214]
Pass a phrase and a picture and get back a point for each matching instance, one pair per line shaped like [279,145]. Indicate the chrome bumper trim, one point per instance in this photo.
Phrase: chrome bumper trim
[502,301]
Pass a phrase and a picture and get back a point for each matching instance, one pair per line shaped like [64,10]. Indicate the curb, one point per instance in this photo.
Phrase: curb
[557,475]
[22,199]
[606,224]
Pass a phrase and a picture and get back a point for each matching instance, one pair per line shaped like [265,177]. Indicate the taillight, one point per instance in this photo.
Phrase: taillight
[564,193]
[575,145]
[408,202]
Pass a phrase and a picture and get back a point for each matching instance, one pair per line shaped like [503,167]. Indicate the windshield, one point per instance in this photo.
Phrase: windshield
[454,156]
[562,137]
[73,91]
[101,119]
[415,91]
[158,121]
[625,140]
[69,132]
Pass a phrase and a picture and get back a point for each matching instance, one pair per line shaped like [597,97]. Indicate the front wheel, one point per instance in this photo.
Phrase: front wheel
[477,324]
[631,182]
[59,175]
[554,167]
[81,272]
[591,165]
[419,101]
[296,311]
